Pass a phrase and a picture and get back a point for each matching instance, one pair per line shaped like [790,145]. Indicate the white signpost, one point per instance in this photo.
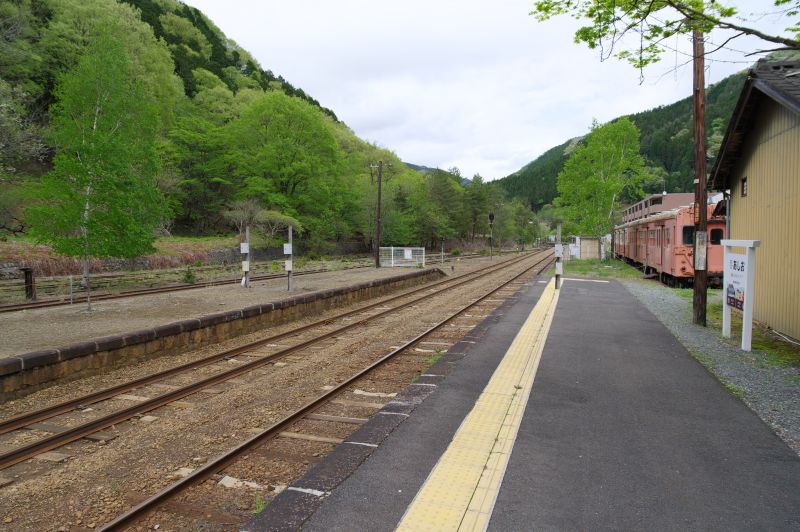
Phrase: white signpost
[288,266]
[737,285]
[559,253]
[244,248]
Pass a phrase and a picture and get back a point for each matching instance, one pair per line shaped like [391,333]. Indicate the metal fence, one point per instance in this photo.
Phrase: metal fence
[403,256]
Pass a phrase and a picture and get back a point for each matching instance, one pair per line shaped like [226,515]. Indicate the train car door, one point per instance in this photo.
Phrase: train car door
[716,232]
[641,246]
[657,250]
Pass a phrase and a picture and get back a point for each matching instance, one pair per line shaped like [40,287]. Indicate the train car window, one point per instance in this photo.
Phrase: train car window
[688,235]
[744,187]
[716,236]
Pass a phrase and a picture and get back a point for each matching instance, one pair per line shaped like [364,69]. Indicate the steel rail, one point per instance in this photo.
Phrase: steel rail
[225,459]
[75,433]
[36,416]
[104,296]
[156,290]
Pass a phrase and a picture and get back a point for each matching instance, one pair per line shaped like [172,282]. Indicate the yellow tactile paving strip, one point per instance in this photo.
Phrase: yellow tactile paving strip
[460,492]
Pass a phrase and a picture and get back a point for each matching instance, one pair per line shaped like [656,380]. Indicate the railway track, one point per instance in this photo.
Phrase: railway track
[104,296]
[57,440]
[402,301]
[230,457]
[45,303]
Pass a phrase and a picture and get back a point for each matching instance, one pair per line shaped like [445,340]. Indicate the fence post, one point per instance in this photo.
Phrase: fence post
[30,284]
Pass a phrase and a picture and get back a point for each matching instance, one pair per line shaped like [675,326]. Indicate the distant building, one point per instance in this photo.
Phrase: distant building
[588,247]
[759,162]
[656,203]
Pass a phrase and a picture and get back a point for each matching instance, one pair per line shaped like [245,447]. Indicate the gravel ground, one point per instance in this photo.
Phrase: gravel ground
[773,393]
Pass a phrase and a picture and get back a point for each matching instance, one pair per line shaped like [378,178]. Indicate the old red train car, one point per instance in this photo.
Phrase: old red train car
[663,244]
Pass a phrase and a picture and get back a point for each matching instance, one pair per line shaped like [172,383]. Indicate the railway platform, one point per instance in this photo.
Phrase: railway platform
[575,410]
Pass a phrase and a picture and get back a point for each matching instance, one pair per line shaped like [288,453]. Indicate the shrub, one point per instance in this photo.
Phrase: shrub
[189,276]
[455,252]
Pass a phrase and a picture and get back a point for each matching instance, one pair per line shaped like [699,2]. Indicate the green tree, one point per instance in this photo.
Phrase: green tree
[597,173]
[20,138]
[100,199]
[278,146]
[612,23]
[477,207]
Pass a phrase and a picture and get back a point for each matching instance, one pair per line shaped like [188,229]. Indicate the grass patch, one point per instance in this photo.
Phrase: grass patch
[185,245]
[778,352]
[735,390]
[432,359]
[702,358]
[259,504]
[712,294]
[613,268]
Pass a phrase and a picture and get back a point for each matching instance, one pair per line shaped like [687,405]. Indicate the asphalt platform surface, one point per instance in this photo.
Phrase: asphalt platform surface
[623,431]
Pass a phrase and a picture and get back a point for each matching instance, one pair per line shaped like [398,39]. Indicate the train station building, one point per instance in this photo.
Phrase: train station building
[759,163]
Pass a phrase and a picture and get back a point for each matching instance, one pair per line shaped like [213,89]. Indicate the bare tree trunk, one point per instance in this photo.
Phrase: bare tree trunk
[85,236]
[86,279]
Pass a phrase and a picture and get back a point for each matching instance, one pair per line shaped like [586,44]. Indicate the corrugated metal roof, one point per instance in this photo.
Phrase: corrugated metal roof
[778,80]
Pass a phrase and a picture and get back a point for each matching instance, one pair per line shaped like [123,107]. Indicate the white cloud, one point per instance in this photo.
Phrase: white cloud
[470,83]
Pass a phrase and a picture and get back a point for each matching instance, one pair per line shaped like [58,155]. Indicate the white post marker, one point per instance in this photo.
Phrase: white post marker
[287,250]
[244,249]
[559,251]
[738,285]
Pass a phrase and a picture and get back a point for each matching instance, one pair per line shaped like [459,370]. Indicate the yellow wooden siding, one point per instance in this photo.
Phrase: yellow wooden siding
[771,213]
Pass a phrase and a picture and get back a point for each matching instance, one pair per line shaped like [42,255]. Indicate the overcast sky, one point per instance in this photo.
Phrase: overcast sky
[476,84]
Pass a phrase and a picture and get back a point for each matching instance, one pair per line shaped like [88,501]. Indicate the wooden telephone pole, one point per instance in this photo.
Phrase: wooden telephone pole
[378,216]
[700,196]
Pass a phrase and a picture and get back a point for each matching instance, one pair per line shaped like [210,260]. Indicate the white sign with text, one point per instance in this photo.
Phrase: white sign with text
[739,277]
[735,280]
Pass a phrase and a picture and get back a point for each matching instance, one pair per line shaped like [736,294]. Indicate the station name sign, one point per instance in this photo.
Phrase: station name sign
[738,282]
[735,280]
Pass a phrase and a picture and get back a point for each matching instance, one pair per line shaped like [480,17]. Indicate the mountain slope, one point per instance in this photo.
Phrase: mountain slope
[666,144]
[195,42]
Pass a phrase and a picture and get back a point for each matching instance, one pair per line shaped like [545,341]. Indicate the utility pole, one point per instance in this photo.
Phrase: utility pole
[378,216]
[491,235]
[700,195]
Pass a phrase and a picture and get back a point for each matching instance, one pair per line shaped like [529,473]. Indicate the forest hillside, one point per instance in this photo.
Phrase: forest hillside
[666,144]
[234,140]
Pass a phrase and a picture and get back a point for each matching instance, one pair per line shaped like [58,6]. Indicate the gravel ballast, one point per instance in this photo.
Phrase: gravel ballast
[772,392]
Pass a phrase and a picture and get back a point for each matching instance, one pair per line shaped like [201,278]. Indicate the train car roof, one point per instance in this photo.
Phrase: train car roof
[664,215]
